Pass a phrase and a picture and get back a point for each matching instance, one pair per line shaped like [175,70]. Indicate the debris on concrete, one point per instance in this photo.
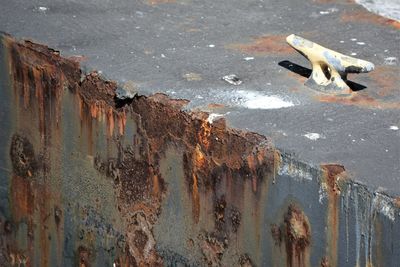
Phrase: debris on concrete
[232,79]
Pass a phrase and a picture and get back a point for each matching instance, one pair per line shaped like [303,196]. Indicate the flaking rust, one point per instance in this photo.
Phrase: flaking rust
[294,234]
[41,81]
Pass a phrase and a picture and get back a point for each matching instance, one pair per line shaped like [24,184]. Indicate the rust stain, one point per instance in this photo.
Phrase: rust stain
[39,76]
[78,58]
[245,261]
[121,118]
[324,262]
[141,241]
[212,249]
[195,199]
[84,255]
[216,106]
[387,80]
[110,121]
[265,45]
[363,16]
[333,174]
[205,133]
[295,233]
[96,102]
[359,99]
[396,202]
[297,77]
[211,152]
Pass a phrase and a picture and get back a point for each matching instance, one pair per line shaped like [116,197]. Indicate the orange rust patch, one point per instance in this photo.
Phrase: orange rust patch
[215,106]
[265,45]
[396,202]
[297,77]
[363,16]
[324,262]
[205,133]
[298,237]
[164,99]
[295,233]
[199,158]
[332,174]
[121,118]
[78,59]
[359,99]
[195,199]
[387,80]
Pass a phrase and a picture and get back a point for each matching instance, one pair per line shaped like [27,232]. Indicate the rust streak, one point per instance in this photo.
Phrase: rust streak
[265,45]
[332,173]
[360,100]
[195,199]
[387,80]
[295,233]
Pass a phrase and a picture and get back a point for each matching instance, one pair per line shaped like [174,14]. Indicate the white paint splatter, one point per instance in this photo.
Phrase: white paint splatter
[326,12]
[391,61]
[322,194]
[294,169]
[211,45]
[232,79]
[163,56]
[43,8]
[213,116]
[353,39]
[256,100]
[353,54]
[313,136]
[360,43]
[386,8]
[341,42]
[394,128]
[248,58]
[383,205]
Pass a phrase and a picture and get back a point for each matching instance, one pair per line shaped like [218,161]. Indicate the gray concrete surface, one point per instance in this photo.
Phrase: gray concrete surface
[183,48]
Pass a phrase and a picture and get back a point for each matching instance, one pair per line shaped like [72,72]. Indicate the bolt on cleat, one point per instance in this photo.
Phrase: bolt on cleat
[329,68]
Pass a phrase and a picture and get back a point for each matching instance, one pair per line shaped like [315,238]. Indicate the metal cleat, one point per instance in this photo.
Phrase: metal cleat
[329,68]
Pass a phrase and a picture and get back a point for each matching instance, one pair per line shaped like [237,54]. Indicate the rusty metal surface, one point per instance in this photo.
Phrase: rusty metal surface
[88,180]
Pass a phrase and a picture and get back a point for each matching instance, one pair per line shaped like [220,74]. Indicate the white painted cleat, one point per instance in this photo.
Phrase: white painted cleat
[329,68]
